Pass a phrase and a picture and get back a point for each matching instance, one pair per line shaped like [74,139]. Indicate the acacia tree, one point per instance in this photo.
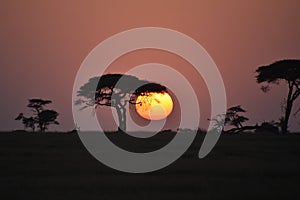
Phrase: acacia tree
[43,118]
[283,70]
[233,117]
[110,92]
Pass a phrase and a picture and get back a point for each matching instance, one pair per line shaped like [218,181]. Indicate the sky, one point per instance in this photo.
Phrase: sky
[43,44]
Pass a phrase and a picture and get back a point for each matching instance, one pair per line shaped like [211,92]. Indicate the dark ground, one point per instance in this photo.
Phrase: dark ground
[57,166]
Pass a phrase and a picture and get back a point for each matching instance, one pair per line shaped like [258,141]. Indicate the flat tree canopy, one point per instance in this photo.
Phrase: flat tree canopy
[115,90]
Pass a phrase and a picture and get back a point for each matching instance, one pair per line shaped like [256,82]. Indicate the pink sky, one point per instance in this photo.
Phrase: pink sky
[43,44]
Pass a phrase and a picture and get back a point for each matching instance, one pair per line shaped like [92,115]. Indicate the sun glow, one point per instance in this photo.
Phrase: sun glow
[154,106]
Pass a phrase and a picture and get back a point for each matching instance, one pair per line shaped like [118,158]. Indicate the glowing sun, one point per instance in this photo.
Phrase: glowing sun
[154,106]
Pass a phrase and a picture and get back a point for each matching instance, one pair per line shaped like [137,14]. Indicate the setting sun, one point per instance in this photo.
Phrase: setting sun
[155,106]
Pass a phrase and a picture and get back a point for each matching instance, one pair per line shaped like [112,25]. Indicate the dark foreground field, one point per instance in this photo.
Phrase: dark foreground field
[57,166]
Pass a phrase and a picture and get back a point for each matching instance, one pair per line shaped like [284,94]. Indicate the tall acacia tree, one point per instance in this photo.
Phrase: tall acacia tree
[289,72]
[116,90]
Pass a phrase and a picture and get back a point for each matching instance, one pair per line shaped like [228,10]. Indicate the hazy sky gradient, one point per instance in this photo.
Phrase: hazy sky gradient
[43,43]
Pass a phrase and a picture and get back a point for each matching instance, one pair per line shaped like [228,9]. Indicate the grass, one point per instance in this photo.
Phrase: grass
[57,166]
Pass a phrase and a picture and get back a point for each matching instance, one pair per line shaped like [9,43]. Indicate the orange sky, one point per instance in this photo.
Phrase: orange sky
[43,43]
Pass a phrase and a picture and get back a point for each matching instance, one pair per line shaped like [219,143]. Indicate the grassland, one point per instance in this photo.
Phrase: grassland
[243,166]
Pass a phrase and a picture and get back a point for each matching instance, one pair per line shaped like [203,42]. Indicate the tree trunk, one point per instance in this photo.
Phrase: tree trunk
[39,120]
[121,111]
[287,116]
[42,128]
[124,127]
[288,109]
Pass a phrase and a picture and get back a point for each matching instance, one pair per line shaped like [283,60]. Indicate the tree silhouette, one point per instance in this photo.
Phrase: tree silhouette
[287,70]
[234,118]
[111,93]
[47,117]
[37,106]
[43,118]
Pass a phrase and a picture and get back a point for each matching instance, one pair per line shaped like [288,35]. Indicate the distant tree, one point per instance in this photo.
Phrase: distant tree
[288,71]
[110,93]
[234,118]
[43,118]
[37,106]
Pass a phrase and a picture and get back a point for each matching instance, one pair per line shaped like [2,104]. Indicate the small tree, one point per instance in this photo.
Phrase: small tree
[234,118]
[37,106]
[287,70]
[43,118]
